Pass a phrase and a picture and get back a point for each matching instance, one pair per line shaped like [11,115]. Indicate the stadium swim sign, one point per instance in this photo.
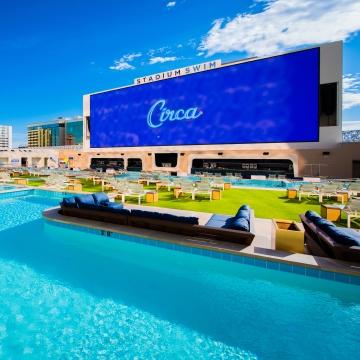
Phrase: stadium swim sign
[178,72]
[159,113]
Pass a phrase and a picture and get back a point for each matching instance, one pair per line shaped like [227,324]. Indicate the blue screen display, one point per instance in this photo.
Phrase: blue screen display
[262,101]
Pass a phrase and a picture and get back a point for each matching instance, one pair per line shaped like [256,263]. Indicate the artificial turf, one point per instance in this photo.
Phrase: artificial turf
[266,203]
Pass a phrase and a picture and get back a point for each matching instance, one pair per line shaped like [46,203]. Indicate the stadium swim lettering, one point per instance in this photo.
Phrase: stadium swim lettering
[159,113]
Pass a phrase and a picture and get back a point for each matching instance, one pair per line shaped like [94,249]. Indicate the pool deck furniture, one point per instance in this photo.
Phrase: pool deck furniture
[261,248]
[354,189]
[203,189]
[237,229]
[288,236]
[331,212]
[151,197]
[188,188]
[352,211]
[308,190]
[177,192]
[323,238]
[342,196]
[5,178]
[216,194]
[292,193]
[330,191]
[21,181]
[74,187]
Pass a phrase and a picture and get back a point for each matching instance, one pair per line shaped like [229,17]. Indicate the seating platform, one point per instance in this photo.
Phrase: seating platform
[236,229]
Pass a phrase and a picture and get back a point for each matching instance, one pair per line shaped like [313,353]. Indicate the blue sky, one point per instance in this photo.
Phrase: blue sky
[54,52]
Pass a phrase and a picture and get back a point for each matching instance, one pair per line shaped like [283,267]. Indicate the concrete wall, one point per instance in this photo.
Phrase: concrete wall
[307,162]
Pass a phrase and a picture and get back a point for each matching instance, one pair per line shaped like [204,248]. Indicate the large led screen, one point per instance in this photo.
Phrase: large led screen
[261,101]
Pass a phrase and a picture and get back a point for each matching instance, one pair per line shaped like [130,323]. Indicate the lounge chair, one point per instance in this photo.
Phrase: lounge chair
[354,189]
[203,188]
[168,183]
[5,178]
[188,188]
[329,190]
[352,210]
[133,190]
[308,190]
[218,183]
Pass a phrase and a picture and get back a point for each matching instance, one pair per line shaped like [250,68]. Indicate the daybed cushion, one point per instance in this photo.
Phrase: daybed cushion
[167,217]
[100,198]
[343,236]
[218,220]
[114,208]
[237,223]
[85,202]
[113,205]
[243,212]
[69,202]
[312,215]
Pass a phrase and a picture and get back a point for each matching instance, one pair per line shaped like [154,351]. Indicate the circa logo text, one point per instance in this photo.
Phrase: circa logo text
[159,113]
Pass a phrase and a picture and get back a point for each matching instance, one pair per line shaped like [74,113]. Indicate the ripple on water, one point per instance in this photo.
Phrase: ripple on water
[41,318]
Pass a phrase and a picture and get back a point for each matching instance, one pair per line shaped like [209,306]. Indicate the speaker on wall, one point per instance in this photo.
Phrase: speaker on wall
[328,104]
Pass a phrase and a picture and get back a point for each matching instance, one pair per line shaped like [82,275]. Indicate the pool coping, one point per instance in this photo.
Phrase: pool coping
[316,267]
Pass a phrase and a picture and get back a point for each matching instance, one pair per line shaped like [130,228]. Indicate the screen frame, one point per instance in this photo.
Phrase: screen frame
[317,48]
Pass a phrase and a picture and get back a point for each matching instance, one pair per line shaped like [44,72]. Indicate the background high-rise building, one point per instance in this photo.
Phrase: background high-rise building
[5,137]
[59,132]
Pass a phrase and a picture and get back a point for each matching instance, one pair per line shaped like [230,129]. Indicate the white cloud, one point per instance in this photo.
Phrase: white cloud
[121,65]
[131,57]
[284,24]
[161,59]
[351,90]
[351,125]
[124,62]
[171,4]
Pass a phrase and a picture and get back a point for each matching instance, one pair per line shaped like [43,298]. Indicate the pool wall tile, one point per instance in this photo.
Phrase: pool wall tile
[273,265]
[260,263]
[328,275]
[248,260]
[300,270]
[286,267]
[237,258]
[312,272]
[342,277]
[355,280]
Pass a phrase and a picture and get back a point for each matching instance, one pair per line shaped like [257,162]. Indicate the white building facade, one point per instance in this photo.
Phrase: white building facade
[5,137]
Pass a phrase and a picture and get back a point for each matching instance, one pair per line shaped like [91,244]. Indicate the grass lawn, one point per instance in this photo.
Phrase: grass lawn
[266,203]
[35,181]
[88,186]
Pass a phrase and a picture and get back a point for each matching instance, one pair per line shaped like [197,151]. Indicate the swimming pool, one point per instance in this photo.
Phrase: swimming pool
[252,183]
[67,293]
[7,187]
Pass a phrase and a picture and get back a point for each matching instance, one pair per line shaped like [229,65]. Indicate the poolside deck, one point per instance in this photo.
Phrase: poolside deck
[261,248]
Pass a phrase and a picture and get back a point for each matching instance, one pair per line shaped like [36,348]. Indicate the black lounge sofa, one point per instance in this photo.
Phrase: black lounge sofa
[236,229]
[323,238]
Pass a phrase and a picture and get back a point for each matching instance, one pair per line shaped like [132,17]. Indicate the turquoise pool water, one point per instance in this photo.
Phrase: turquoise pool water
[68,294]
[271,184]
[7,187]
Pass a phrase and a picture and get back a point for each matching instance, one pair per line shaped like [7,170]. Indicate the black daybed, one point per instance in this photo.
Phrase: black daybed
[237,229]
[323,238]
